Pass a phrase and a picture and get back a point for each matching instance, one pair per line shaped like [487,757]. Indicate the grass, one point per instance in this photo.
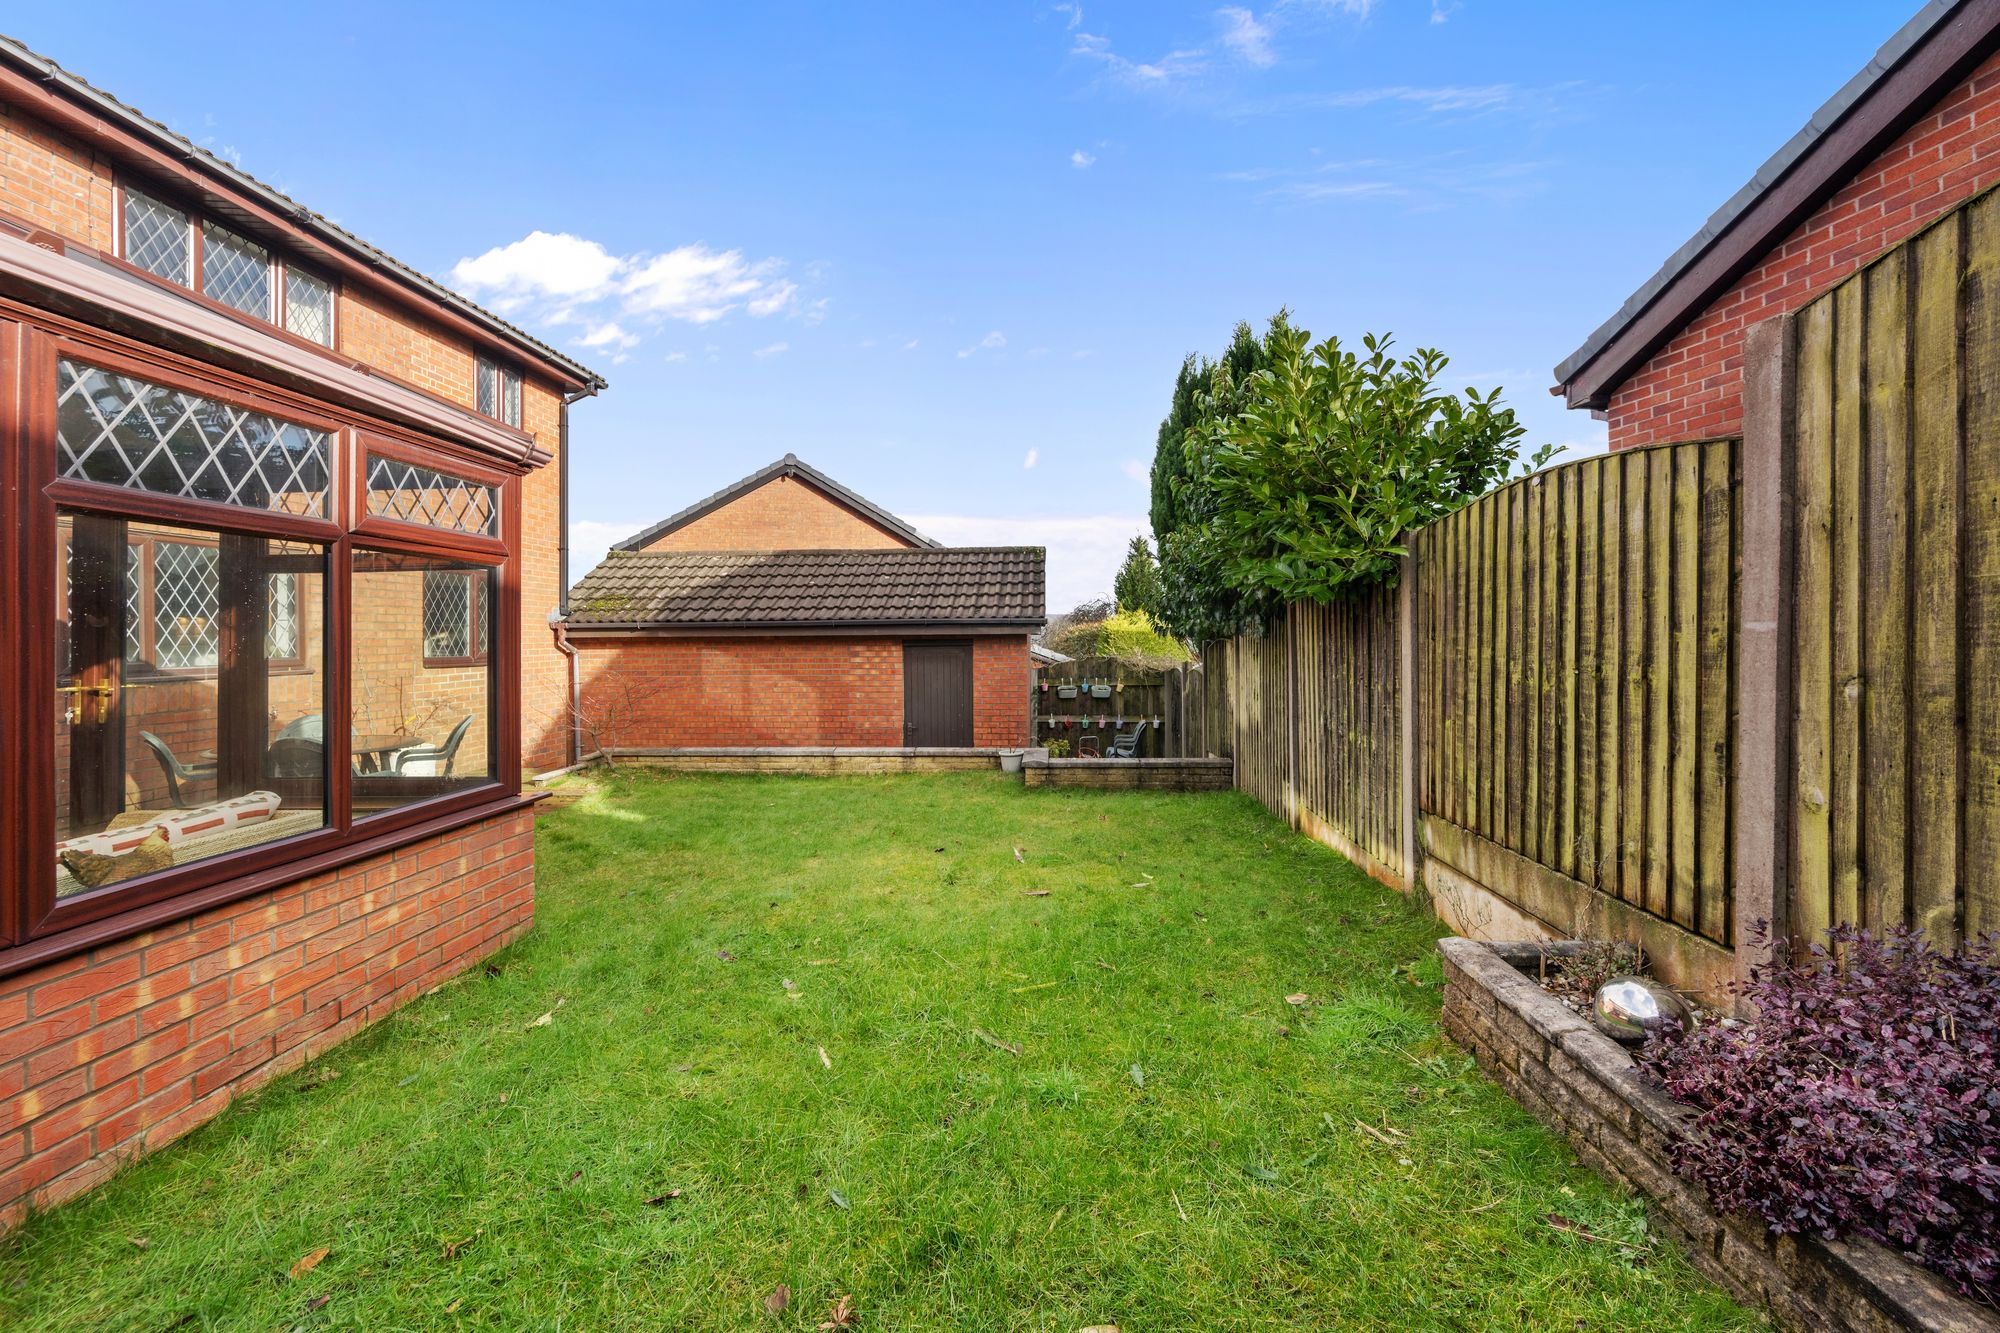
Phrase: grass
[1175,1146]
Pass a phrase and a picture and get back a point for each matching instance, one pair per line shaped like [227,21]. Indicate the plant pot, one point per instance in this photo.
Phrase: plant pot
[1010,760]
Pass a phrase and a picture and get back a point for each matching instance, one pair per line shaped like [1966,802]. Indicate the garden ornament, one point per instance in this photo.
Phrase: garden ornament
[1628,1008]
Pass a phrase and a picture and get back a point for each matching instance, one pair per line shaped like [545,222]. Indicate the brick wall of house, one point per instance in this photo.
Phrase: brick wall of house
[782,691]
[51,181]
[1692,387]
[111,1054]
[784,514]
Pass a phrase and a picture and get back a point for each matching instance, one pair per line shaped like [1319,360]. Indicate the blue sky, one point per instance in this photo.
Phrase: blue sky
[953,254]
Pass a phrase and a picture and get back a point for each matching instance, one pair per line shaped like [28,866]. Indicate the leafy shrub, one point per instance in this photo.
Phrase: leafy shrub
[1865,1098]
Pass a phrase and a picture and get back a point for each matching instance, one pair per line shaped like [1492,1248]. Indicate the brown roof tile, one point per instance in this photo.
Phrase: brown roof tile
[977,585]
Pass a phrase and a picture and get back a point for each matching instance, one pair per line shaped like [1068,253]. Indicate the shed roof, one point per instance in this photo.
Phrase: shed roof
[791,465]
[1925,59]
[967,586]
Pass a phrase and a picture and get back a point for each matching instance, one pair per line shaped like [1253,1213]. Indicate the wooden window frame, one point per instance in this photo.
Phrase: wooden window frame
[281,266]
[35,926]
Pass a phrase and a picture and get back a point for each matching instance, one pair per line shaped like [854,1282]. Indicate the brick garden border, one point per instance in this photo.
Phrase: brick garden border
[1129,774]
[1585,1086]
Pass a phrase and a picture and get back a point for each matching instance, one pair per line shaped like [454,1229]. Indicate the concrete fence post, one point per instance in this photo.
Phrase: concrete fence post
[1412,716]
[1763,738]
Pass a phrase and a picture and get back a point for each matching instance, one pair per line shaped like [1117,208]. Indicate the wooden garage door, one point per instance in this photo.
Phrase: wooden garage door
[937,694]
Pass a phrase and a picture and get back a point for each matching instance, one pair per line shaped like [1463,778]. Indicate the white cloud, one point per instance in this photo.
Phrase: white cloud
[1034,457]
[677,356]
[991,342]
[1168,69]
[774,299]
[910,346]
[1137,469]
[775,349]
[540,266]
[1246,38]
[558,279]
[1084,553]
[1072,13]
[1447,98]
[1082,161]
[589,541]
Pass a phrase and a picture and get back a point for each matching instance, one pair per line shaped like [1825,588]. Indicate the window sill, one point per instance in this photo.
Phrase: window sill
[372,843]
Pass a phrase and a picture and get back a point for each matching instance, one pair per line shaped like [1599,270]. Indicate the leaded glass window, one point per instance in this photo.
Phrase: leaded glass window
[281,628]
[235,272]
[184,606]
[497,392]
[122,431]
[451,605]
[157,238]
[308,307]
[510,399]
[417,494]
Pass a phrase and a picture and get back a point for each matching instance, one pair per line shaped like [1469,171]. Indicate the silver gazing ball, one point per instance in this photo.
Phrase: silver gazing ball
[1627,1008]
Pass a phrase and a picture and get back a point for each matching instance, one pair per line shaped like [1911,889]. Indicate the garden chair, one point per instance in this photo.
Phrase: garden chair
[295,757]
[1126,744]
[433,760]
[176,772]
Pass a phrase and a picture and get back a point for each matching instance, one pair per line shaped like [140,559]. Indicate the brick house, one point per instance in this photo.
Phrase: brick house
[283,541]
[787,611]
[1912,136]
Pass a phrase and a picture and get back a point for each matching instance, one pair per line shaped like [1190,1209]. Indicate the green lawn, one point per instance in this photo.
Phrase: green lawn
[820,1032]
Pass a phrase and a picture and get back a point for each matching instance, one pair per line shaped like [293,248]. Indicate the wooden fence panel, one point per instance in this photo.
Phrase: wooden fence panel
[1346,661]
[1591,734]
[1895,802]
[1135,696]
[1261,701]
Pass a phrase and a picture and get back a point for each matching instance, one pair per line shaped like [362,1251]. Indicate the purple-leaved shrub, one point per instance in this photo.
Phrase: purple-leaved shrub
[1865,1098]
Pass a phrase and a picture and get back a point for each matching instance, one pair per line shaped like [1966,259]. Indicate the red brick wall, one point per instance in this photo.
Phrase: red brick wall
[49,181]
[1002,674]
[782,691]
[112,1054]
[1692,388]
[784,514]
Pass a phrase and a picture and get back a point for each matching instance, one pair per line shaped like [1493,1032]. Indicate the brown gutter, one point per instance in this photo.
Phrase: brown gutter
[1888,106]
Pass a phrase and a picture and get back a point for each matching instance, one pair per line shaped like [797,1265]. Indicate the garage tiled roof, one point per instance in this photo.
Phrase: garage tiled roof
[964,585]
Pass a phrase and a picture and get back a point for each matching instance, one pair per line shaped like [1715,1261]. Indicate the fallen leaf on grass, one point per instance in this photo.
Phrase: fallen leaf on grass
[454,1248]
[824,1058]
[1039,985]
[574,1176]
[841,1315]
[725,955]
[139,1242]
[787,984]
[1138,1077]
[995,1042]
[317,1303]
[1019,856]
[453,1307]
[1106,966]
[543,1021]
[1099,1328]
[1578,1229]
[1034,893]
[1297,997]
[1260,1172]
[838,1200]
[1390,1137]
[308,1262]
[780,1297]
[662,1200]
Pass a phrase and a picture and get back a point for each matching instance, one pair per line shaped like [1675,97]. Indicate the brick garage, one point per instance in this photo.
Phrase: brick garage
[1906,141]
[805,648]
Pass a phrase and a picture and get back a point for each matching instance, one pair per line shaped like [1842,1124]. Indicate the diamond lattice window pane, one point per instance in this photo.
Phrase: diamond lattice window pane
[184,605]
[235,271]
[126,432]
[157,239]
[281,630]
[487,384]
[308,307]
[418,494]
[510,399]
[133,644]
[447,613]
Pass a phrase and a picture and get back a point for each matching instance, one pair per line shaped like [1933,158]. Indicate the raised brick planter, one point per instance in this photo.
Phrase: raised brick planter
[1585,1086]
[1131,774]
[817,759]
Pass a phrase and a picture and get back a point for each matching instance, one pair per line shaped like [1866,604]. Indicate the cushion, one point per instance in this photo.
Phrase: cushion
[180,825]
